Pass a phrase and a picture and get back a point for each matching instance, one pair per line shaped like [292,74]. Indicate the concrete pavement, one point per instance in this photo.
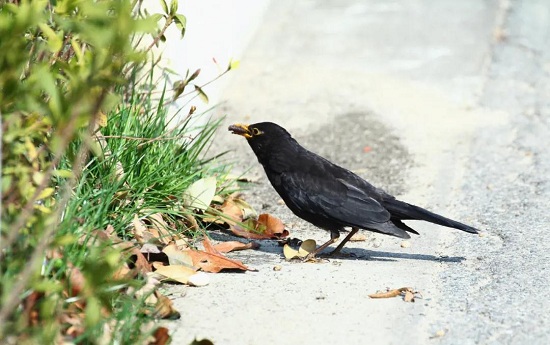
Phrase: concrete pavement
[452,97]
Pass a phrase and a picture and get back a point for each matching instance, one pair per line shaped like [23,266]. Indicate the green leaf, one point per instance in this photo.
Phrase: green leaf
[193,76]
[93,311]
[63,173]
[181,23]
[173,7]
[48,286]
[202,95]
[55,43]
[164,6]
[179,86]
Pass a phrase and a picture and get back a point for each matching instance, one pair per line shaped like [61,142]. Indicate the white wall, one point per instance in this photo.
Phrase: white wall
[217,29]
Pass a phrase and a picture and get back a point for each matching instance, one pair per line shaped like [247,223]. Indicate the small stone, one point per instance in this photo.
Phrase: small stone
[405,244]
[277,268]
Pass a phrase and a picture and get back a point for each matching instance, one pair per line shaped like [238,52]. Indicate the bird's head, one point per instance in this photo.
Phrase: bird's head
[262,137]
[259,132]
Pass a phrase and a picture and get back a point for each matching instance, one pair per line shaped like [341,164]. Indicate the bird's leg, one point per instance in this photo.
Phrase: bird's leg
[341,245]
[334,236]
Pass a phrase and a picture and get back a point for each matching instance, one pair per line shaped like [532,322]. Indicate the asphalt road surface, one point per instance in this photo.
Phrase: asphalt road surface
[445,104]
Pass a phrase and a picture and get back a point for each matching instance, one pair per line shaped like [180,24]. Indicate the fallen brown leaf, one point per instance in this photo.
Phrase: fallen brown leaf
[76,279]
[408,294]
[230,246]
[161,336]
[264,228]
[214,263]
[139,230]
[141,265]
[159,225]
[232,211]
[164,308]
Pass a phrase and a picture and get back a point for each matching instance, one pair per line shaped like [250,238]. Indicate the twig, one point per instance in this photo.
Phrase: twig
[148,140]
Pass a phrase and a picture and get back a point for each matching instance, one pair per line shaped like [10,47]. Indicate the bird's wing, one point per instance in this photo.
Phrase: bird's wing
[334,198]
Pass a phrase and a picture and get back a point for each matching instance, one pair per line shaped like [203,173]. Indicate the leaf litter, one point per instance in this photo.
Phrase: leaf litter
[408,294]
[160,251]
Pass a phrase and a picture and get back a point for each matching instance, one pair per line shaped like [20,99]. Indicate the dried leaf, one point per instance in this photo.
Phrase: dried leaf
[30,304]
[150,248]
[266,227]
[176,256]
[159,226]
[230,246]
[139,229]
[409,296]
[386,294]
[140,262]
[200,194]
[289,252]
[76,279]
[179,273]
[396,292]
[307,247]
[232,211]
[214,263]
[161,336]
[164,308]
[269,224]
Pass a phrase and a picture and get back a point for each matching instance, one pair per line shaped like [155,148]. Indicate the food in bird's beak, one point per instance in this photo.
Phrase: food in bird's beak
[240,129]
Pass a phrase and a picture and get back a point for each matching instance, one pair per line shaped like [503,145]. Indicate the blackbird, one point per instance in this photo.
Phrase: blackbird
[327,195]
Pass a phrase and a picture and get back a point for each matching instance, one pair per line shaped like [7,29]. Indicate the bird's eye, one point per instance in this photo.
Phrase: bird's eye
[256,131]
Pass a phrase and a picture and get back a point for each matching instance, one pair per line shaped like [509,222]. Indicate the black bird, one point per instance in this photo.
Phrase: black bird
[327,195]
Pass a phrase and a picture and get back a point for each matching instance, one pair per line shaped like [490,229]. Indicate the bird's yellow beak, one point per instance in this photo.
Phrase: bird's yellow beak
[240,129]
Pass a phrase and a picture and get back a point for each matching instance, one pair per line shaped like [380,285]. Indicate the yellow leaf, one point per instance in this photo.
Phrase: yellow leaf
[289,252]
[63,173]
[179,273]
[307,247]
[199,195]
[101,119]
[46,192]
[176,256]
[42,209]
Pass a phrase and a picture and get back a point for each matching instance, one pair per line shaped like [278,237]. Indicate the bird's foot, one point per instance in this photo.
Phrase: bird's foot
[313,258]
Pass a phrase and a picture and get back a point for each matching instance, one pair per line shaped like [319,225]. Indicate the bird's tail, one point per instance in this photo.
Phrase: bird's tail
[403,210]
